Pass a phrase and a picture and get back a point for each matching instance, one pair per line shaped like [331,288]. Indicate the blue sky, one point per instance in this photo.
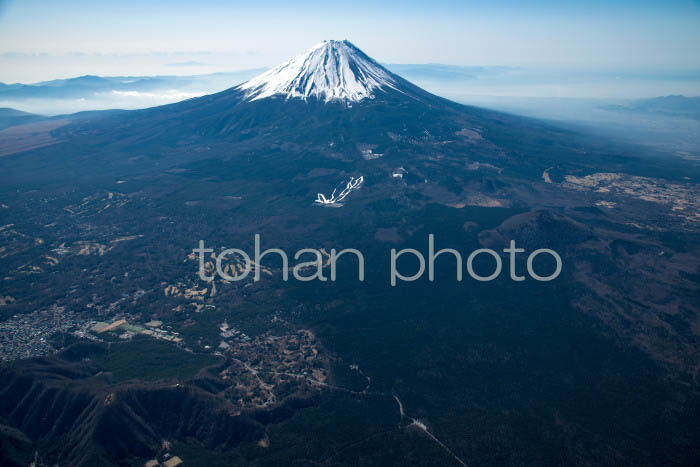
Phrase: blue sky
[42,40]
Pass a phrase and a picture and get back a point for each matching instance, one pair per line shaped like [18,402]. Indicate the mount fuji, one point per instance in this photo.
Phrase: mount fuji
[331,70]
[333,105]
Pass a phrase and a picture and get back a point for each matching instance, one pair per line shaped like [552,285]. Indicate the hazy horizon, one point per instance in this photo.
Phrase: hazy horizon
[42,40]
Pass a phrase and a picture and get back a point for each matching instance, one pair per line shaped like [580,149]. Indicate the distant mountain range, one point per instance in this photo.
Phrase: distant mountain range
[64,96]
[488,86]
[674,106]
[86,86]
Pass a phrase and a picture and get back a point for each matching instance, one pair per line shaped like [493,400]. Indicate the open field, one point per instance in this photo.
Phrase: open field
[22,138]
[149,359]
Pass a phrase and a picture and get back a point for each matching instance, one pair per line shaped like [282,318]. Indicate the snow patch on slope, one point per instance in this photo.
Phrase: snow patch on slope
[337,198]
[331,70]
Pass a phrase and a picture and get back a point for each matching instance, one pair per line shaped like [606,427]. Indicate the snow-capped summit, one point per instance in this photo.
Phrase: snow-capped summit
[331,70]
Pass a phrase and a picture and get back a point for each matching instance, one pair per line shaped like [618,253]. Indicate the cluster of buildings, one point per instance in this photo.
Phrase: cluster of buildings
[39,333]
[266,368]
[46,332]
[127,331]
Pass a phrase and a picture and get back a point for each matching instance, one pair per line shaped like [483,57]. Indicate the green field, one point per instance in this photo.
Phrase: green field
[150,359]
